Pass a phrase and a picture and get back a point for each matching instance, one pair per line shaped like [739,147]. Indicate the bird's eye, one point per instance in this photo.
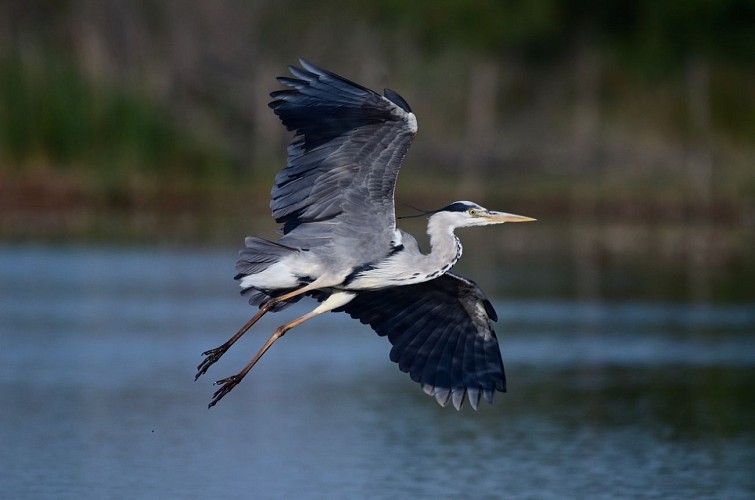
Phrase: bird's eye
[473,211]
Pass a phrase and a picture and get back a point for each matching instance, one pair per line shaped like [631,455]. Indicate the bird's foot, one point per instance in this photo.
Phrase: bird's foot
[227,384]
[211,357]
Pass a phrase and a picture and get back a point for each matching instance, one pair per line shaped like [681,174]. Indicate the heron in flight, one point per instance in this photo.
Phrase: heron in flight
[341,246]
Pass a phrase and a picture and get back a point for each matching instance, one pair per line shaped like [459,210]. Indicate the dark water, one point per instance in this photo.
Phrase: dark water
[631,399]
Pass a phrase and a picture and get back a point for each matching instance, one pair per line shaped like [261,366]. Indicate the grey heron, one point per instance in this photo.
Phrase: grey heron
[340,243]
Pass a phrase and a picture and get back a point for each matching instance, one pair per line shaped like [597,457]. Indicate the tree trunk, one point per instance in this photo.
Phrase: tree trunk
[586,129]
[699,166]
[481,120]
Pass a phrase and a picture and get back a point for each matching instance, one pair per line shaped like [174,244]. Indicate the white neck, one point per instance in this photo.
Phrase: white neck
[411,265]
[445,247]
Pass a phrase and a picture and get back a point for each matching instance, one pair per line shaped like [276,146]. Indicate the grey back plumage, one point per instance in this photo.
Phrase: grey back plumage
[339,180]
[442,335]
[340,243]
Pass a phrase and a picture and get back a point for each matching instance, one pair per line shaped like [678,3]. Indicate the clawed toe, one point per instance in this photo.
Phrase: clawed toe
[233,380]
[227,384]
[211,357]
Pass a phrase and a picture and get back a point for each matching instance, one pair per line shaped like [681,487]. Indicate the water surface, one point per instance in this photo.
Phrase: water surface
[621,399]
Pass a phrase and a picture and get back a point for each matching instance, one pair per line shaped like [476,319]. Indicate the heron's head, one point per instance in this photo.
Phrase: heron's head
[468,214]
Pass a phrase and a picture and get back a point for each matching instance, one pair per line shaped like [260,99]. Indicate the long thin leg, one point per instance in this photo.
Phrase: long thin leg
[213,355]
[227,384]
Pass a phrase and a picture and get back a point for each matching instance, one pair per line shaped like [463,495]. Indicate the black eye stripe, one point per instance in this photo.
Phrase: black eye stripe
[458,207]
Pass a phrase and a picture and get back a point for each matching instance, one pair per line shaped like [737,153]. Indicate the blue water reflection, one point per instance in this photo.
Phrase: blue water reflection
[606,400]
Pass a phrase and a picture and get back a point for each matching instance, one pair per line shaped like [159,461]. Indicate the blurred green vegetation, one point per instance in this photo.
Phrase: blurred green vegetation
[650,36]
[52,115]
[574,106]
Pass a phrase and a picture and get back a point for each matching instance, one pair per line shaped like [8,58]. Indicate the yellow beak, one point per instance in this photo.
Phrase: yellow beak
[497,217]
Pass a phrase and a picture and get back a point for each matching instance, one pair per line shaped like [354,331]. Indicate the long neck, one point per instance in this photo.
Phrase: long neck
[445,247]
[409,265]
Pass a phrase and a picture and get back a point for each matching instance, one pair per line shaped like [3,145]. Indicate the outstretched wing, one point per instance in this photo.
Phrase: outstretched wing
[344,158]
[442,335]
